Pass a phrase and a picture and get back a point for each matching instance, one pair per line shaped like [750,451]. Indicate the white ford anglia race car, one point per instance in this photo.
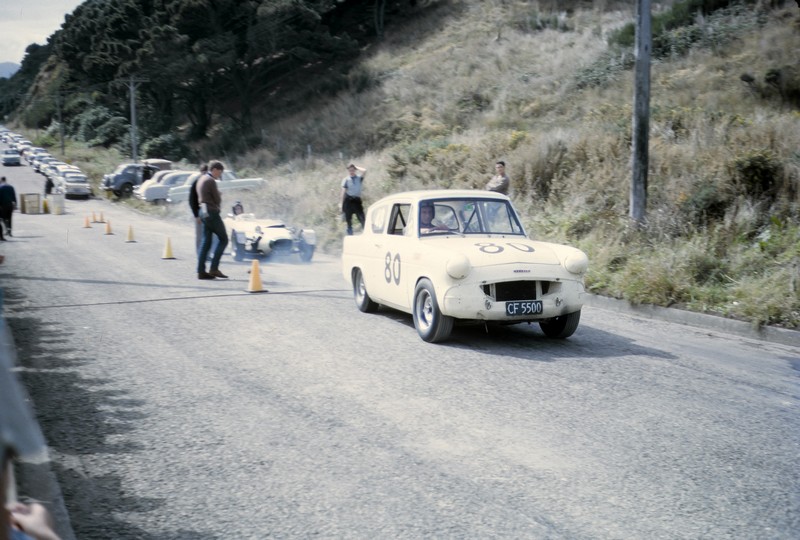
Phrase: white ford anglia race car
[254,237]
[447,256]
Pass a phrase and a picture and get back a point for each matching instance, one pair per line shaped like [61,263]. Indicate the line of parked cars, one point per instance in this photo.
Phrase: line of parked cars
[61,177]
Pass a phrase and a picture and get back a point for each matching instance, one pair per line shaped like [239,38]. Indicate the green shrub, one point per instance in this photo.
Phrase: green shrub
[110,132]
[167,146]
[86,124]
[757,173]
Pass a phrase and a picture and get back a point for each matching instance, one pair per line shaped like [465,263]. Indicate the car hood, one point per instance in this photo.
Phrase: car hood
[492,250]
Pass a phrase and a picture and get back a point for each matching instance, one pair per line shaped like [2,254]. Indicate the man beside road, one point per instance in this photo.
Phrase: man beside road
[351,196]
[500,181]
[8,202]
[210,206]
[194,204]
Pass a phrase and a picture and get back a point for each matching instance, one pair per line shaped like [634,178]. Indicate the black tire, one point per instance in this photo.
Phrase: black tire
[363,302]
[306,251]
[126,190]
[432,326]
[562,326]
[237,249]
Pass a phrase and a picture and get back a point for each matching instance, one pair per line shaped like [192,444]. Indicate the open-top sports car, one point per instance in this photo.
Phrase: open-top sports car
[447,256]
[254,237]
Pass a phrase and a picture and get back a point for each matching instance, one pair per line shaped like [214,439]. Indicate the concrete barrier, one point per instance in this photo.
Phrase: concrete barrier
[30,203]
[55,201]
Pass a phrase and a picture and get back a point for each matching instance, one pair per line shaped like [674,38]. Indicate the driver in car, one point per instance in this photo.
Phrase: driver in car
[426,215]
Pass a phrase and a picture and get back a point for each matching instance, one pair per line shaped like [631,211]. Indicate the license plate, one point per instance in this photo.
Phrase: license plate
[524,307]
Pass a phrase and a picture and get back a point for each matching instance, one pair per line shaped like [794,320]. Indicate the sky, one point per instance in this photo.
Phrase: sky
[23,22]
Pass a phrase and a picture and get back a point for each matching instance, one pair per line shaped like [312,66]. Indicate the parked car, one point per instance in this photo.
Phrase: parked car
[128,175]
[60,172]
[33,152]
[51,170]
[38,159]
[227,182]
[74,184]
[156,190]
[11,157]
[473,264]
[258,237]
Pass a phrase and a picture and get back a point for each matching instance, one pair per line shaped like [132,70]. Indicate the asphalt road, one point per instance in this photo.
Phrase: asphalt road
[186,409]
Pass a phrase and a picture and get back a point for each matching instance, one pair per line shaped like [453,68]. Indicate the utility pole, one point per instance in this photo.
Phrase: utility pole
[60,121]
[641,115]
[132,84]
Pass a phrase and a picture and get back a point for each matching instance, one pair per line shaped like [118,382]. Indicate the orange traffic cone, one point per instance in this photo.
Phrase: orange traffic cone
[94,218]
[129,238]
[255,279]
[108,227]
[86,223]
[167,250]
[101,220]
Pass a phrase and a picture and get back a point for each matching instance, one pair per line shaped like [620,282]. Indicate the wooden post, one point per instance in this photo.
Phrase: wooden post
[641,115]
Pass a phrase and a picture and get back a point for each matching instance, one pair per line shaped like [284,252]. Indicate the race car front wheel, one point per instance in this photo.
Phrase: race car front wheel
[432,326]
[562,326]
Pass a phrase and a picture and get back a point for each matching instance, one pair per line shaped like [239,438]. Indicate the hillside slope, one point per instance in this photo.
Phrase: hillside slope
[440,100]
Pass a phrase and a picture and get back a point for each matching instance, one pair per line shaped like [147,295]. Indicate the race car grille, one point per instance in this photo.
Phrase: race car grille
[518,290]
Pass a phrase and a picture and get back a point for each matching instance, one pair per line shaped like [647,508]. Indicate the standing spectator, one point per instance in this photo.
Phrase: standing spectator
[210,201]
[8,202]
[351,196]
[194,204]
[500,180]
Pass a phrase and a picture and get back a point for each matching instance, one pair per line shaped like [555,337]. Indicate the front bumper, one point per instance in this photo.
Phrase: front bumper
[475,301]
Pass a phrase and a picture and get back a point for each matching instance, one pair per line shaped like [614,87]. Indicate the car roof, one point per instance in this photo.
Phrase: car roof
[416,196]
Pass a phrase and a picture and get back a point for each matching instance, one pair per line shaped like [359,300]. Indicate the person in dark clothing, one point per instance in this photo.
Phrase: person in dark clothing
[8,202]
[351,196]
[210,200]
[194,204]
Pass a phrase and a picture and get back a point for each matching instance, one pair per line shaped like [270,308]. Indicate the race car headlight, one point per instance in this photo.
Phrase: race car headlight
[577,262]
[458,266]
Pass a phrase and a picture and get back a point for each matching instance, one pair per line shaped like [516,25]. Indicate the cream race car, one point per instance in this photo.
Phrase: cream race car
[254,237]
[462,256]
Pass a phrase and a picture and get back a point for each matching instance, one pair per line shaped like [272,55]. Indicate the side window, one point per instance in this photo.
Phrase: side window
[378,220]
[399,218]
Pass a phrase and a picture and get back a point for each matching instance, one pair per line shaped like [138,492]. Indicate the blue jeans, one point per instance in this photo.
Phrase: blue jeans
[212,226]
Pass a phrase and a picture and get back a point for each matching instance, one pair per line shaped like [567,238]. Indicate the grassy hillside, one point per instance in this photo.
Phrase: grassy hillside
[441,99]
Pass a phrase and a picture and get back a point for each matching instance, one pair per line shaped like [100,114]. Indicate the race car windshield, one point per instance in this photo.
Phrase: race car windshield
[468,216]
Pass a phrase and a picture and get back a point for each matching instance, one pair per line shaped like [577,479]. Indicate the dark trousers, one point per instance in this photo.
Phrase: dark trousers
[6,211]
[212,226]
[352,206]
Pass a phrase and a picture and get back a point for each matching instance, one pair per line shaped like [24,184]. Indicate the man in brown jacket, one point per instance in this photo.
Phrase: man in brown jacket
[210,200]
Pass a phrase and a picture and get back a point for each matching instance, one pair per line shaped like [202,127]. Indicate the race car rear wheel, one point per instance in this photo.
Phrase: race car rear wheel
[237,249]
[306,251]
[432,326]
[562,326]
[360,294]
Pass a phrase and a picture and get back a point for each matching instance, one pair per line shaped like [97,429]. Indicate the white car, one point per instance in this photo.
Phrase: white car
[157,188]
[11,157]
[74,184]
[472,264]
[228,182]
[57,174]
